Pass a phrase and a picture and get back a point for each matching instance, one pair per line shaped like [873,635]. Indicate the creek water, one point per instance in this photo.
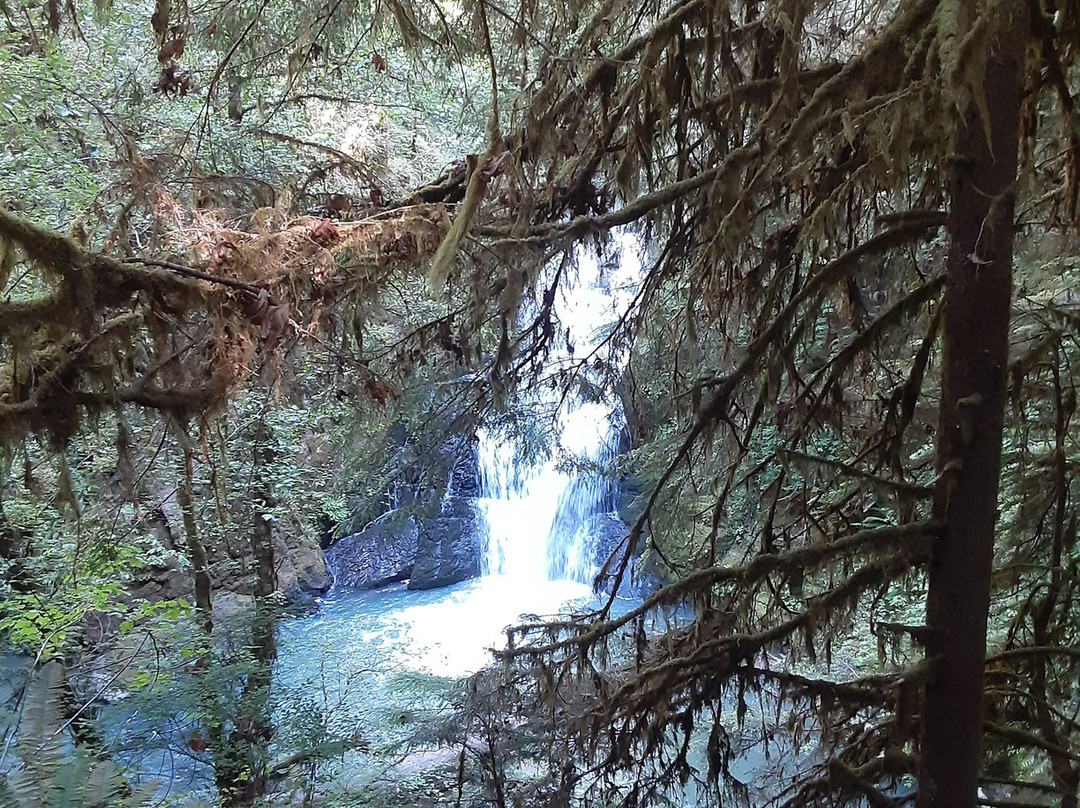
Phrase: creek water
[383,665]
[540,559]
[381,659]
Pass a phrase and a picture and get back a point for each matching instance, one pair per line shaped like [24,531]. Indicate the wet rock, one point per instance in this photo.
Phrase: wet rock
[15,669]
[299,564]
[380,554]
[430,551]
[633,493]
[608,532]
[303,604]
[99,628]
[449,547]
[641,584]
[464,480]
[231,604]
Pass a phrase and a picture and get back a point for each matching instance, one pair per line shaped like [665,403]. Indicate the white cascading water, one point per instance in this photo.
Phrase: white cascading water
[539,521]
[538,516]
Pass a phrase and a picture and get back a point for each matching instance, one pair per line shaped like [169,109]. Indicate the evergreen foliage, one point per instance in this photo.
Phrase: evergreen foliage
[829,370]
[52,773]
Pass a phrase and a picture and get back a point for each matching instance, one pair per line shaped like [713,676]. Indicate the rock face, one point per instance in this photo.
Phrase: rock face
[450,547]
[299,569]
[165,581]
[299,565]
[439,546]
[464,481]
[430,552]
[608,532]
[633,492]
[380,554]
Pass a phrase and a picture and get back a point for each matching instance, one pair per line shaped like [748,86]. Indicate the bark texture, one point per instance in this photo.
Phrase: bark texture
[977,304]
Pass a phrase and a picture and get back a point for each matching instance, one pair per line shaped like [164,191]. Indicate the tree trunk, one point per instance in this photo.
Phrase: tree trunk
[978,294]
[196,552]
[254,730]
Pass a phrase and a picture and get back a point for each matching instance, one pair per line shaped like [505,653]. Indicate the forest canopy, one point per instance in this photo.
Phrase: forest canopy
[246,247]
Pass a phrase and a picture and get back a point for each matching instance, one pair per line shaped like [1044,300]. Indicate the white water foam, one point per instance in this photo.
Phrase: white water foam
[537,515]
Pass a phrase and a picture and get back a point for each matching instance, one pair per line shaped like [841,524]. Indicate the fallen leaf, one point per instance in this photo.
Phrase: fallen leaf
[219,250]
[173,79]
[196,742]
[274,326]
[269,314]
[493,166]
[377,390]
[159,20]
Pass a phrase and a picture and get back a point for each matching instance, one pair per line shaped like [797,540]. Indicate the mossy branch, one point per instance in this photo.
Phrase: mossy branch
[691,660]
[487,168]
[850,470]
[810,557]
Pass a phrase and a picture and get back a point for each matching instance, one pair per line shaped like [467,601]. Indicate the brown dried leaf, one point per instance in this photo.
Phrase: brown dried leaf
[323,232]
[377,390]
[173,79]
[220,249]
[274,325]
[255,308]
[159,20]
[196,742]
[492,166]
[173,49]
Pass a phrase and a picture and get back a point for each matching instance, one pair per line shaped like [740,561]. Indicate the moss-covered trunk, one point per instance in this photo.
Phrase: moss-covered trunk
[254,729]
[977,304]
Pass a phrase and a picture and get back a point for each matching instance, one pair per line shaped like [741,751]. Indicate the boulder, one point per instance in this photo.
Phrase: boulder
[299,566]
[231,604]
[380,554]
[450,547]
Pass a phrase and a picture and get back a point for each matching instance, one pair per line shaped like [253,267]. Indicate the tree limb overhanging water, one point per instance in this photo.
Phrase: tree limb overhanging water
[312,251]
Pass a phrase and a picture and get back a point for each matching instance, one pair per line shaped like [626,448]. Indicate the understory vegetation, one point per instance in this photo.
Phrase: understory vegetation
[266,267]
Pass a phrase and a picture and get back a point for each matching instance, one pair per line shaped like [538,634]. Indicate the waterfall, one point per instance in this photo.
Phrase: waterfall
[541,516]
[546,515]
[538,515]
